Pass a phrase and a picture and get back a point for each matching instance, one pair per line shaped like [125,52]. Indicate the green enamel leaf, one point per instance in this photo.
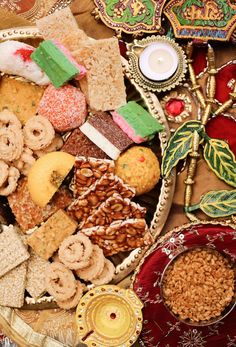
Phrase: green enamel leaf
[220,203]
[179,146]
[221,160]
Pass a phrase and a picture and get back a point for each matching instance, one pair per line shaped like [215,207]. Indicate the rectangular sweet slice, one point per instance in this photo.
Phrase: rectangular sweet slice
[102,131]
[27,213]
[12,287]
[120,236]
[108,185]
[47,238]
[88,171]
[12,250]
[136,122]
[35,279]
[103,84]
[74,40]
[113,209]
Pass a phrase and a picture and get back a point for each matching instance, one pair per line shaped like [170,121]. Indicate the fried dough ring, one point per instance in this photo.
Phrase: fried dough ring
[106,275]
[13,176]
[26,160]
[95,267]
[74,300]
[11,143]
[8,119]
[4,172]
[56,144]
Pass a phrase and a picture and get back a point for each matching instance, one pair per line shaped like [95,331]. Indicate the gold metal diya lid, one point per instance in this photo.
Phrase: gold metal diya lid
[109,316]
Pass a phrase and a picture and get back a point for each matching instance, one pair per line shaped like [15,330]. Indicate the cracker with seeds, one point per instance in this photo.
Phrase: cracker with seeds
[12,287]
[48,237]
[35,279]
[12,250]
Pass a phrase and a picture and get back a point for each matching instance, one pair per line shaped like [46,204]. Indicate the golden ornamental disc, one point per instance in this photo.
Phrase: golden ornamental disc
[109,316]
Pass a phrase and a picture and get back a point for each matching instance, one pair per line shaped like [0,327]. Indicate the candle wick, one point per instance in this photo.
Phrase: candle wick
[160,60]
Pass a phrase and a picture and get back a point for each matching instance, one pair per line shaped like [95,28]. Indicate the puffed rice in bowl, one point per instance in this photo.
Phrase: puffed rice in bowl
[198,286]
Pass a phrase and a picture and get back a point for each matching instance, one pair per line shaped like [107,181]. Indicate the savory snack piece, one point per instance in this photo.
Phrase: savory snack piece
[100,191]
[57,62]
[4,172]
[16,60]
[206,282]
[78,144]
[10,185]
[9,119]
[140,168]
[113,209]
[19,97]
[120,236]
[58,25]
[47,174]
[38,133]
[74,300]
[54,146]
[102,61]
[95,267]
[12,287]
[106,274]
[74,39]
[136,122]
[64,107]
[11,143]
[101,130]
[13,251]
[88,171]
[35,279]
[48,237]
[60,281]
[75,251]
[27,213]
[26,160]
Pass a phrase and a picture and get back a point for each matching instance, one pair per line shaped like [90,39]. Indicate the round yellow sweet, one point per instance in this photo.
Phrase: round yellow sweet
[139,167]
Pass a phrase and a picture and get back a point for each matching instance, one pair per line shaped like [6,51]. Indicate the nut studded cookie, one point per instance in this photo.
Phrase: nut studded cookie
[113,209]
[120,236]
[100,191]
[88,171]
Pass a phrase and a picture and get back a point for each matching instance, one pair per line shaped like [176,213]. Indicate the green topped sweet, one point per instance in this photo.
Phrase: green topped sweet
[136,122]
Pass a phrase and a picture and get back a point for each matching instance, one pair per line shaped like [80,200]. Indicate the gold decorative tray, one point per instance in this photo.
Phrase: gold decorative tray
[163,198]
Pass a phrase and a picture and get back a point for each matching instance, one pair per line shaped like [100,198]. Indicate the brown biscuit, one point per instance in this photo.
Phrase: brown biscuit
[47,238]
[35,281]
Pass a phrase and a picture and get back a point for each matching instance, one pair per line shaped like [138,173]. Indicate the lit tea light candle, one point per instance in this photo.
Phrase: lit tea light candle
[158,61]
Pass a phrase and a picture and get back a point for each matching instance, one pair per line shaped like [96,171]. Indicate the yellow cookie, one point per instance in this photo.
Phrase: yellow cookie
[138,167]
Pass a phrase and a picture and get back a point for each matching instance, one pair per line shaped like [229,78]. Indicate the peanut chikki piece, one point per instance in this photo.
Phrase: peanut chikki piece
[35,279]
[47,238]
[113,209]
[120,236]
[88,171]
[12,287]
[100,191]
[12,250]
[27,213]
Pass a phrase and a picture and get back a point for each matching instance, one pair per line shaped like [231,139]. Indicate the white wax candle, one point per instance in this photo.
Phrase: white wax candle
[158,61]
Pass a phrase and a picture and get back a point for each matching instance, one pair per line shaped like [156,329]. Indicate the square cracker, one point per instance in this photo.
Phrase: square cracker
[12,287]
[12,250]
[35,279]
[47,238]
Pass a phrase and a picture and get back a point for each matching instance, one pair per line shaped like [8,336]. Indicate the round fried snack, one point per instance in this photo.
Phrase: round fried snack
[56,144]
[74,300]
[96,265]
[4,172]
[8,119]
[38,133]
[26,160]
[106,275]
[75,251]
[10,187]
[11,143]
[60,281]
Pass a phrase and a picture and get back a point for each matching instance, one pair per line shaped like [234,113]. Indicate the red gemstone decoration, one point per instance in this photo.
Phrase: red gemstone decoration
[223,128]
[24,53]
[174,107]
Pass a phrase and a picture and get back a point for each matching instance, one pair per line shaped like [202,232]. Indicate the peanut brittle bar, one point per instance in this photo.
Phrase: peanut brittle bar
[120,236]
[113,209]
[100,191]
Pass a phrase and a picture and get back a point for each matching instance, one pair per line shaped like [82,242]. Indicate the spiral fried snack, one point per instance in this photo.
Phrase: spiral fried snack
[75,251]
[95,267]
[4,172]
[56,144]
[60,281]
[8,119]
[106,275]
[11,143]
[26,160]
[74,300]
[10,184]
[38,133]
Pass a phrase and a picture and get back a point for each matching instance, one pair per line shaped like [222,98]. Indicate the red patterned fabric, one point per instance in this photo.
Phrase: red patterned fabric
[223,77]
[160,328]
[199,59]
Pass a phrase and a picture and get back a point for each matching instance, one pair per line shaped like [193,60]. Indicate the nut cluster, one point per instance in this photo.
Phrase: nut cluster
[198,285]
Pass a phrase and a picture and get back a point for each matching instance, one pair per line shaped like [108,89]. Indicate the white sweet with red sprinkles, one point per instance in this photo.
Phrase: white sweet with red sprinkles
[65,107]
